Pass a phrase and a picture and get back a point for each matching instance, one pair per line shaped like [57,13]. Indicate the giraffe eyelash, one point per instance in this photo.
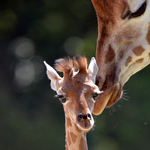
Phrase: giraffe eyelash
[61,98]
[139,12]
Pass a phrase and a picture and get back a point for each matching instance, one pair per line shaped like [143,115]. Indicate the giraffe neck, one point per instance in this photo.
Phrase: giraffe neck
[75,138]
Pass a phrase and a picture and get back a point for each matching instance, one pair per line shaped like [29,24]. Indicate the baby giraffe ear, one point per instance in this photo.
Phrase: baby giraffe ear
[93,68]
[53,76]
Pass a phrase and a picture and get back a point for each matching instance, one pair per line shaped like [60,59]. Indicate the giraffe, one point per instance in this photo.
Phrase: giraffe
[123,46]
[77,92]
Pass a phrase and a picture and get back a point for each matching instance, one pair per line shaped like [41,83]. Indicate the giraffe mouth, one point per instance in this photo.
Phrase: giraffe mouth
[85,125]
[115,95]
[109,97]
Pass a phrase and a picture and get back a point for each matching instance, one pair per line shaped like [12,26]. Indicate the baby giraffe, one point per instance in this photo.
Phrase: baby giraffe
[77,92]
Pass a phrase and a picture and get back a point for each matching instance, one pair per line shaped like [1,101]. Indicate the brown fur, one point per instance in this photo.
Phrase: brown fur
[106,9]
[82,144]
[121,54]
[148,35]
[64,65]
[73,137]
[138,50]
[140,60]
[108,12]
[129,59]
[69,139]
[149,55]
[69,124]
[68,65]
[81,63]
[110,55]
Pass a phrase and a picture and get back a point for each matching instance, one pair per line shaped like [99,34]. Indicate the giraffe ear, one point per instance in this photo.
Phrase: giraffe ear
[93,68]
[53,76]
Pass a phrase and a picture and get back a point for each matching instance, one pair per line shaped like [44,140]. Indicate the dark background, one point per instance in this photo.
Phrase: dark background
[30,117]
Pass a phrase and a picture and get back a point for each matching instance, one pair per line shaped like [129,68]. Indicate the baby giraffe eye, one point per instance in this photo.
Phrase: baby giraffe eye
[95,95]
[61,98]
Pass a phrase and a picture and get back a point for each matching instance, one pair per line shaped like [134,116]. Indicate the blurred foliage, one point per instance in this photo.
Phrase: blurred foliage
[31,118]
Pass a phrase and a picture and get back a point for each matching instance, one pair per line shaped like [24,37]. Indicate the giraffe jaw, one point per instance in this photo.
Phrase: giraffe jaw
[107,98]
[115,95]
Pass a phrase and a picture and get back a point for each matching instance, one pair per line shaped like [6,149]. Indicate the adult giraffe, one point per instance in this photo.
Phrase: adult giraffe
[123,45]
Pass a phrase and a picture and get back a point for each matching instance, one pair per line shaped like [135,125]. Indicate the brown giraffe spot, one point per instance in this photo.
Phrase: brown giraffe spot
[121,54]
[148,35]
[138,50]
[69,124]
[73,137]
[149,55]
[82,144]
[67,148]
[140,60]
[110,55]
[129,59]
[68,139]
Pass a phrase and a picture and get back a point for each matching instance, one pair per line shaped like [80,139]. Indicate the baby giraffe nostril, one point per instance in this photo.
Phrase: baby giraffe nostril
[88,116]
[81,116]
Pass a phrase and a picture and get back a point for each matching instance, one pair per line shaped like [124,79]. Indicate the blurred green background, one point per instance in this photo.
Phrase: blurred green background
[30,117]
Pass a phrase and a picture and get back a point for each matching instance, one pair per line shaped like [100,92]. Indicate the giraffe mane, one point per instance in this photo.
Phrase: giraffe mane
[81,63]
[68,65]
[64,65]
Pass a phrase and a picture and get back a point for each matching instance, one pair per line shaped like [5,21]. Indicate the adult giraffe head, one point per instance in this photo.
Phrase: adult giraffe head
[123,45]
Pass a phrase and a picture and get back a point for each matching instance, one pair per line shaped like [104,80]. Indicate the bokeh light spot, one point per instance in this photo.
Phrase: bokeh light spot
[24,48]
[73,45]
[24,73]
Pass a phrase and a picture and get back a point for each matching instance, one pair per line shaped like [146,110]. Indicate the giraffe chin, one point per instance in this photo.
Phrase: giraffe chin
[115,95]
[109,97]
[85,126]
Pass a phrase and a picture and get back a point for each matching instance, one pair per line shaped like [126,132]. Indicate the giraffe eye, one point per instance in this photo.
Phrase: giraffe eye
[61,98]
[95,95]
[139,12]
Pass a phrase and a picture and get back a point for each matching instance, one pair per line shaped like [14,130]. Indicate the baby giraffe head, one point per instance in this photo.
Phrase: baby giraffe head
[76,90]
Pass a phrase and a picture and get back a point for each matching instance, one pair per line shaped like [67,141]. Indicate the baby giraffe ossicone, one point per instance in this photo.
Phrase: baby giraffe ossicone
[77,92]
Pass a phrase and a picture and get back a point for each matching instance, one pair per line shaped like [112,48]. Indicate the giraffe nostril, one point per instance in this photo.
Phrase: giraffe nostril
[81,116]
[88,116]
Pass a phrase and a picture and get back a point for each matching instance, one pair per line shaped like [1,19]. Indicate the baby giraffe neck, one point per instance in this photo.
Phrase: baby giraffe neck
[75,138]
